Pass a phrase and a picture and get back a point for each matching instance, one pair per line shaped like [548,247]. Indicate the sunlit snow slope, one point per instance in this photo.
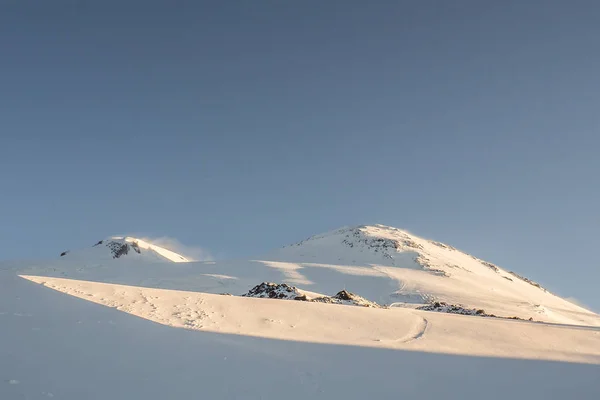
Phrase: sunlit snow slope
[88,345]
[385,265]
[402,268]
[128,322]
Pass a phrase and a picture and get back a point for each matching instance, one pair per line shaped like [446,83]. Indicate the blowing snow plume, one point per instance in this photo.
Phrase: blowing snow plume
[134,249]
[192,253]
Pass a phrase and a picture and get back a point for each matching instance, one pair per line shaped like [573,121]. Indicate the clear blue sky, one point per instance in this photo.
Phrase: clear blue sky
[241,126]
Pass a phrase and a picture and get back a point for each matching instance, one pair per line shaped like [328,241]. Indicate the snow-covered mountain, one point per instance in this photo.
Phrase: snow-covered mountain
[358,312]
[382,264]
[120,247]
[404,269]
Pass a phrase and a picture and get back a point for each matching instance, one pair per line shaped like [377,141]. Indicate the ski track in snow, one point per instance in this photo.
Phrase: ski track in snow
[416,332]
[422,328]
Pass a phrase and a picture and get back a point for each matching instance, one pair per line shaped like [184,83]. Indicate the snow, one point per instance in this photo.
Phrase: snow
[263,348]
[167,254]
[384,265]
[406,270]
[318,322]
[347,299]
[126,247]
[90,326]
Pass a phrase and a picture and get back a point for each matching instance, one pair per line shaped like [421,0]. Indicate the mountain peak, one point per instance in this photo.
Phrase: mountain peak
[119,246]
[360,244]
[423,271]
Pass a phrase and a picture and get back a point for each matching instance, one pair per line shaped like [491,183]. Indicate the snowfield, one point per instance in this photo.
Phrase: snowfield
[148,325]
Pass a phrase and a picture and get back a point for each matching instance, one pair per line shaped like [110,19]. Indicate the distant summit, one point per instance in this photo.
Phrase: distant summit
[408,270]
[117,247]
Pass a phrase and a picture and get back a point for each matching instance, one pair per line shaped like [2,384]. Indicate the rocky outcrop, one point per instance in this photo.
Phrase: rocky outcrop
[346,298]
[119,248]
[440,306]
[532,283]
[386,247]
[270,290]
[454,309]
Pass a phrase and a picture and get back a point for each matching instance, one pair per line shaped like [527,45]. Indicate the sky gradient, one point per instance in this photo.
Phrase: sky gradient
[242,126]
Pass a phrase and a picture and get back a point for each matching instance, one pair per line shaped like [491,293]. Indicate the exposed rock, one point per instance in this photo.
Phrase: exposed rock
[455,266]
[276,291]
[356,237]
[286,292]
[427,266]
[537,285]
[453,309]
[136,247]
[490,265]
[118,249]
[412,244]
[346,298]
[442,245]
[440,306]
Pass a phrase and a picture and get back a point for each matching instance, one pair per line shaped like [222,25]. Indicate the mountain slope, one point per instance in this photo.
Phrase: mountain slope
[382,264]
[63,347]
[142,326]
[423,271]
